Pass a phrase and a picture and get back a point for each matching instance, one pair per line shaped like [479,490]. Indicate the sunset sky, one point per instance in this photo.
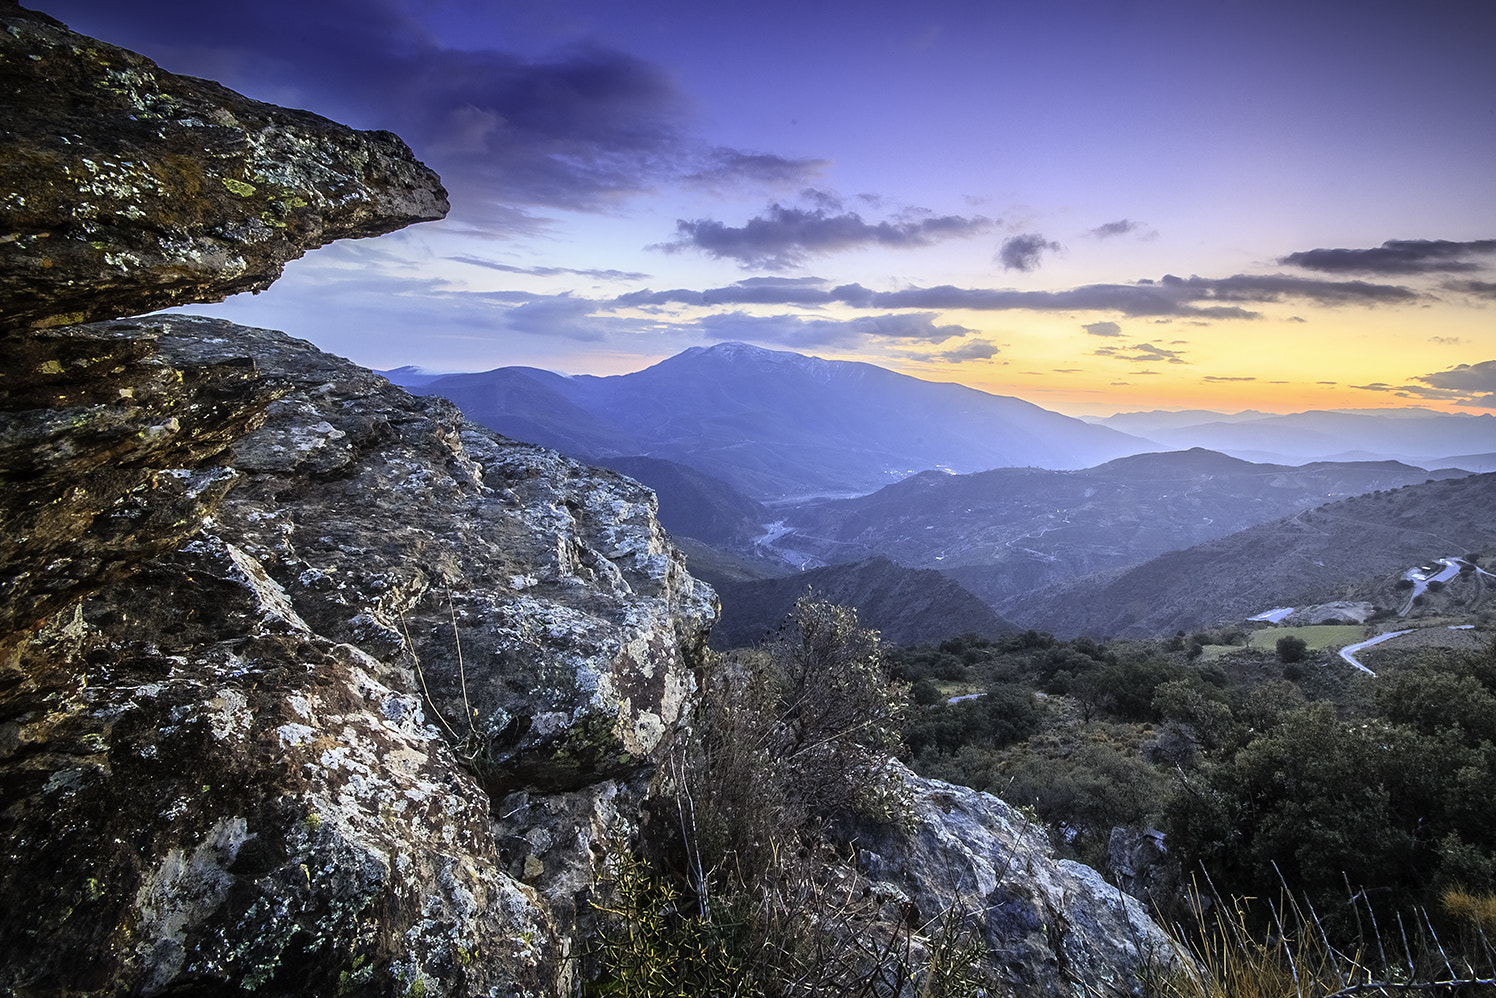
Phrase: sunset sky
[1095,205]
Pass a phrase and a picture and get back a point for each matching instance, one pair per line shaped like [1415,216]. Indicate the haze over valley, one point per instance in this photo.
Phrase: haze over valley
[781,472]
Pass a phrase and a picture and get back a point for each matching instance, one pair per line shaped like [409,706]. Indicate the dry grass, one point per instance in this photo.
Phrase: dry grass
[1295,958]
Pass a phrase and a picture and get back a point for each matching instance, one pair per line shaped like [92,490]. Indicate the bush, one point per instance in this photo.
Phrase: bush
[1292,649]
[784,737]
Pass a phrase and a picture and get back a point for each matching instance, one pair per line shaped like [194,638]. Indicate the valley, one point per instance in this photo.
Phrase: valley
[781,473]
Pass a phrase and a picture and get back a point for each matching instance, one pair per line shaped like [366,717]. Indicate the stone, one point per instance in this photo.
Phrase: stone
[129,189]
[105,459]
[1051,927]
[260,760]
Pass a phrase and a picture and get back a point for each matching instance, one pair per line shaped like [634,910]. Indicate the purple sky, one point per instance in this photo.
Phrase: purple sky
[1093,205]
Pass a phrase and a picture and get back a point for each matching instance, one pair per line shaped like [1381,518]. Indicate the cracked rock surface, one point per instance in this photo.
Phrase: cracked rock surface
[261,759]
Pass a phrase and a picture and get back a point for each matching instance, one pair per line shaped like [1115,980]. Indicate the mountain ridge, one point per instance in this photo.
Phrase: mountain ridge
[776,423]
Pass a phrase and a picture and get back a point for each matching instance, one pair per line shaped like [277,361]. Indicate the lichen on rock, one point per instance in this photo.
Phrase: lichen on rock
[128,188]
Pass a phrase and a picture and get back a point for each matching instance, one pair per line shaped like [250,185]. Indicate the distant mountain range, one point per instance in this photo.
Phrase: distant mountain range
[766,461]
[1005,531]
[1344,550]
[1415,436]
[775,424]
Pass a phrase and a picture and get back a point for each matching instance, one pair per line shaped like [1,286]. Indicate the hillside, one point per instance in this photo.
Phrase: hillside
[1005,531]
[907,606]
[693,504]
[1344,550]
[776,424]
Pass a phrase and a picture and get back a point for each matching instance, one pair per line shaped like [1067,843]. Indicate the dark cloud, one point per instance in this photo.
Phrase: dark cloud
[578,129]
[1479,378]
[1472,385]
[1481,289]
[1067,370]
[1398,256]
[1103,329]
[1023,252]
[602,275]
[783,236]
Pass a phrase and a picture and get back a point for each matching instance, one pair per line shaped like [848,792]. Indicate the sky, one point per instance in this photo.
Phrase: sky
[1094,205]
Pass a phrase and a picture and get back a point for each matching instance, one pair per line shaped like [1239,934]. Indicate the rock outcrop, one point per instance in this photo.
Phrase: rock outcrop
[1051,927]
[265,758]
[309,686]
[128,189]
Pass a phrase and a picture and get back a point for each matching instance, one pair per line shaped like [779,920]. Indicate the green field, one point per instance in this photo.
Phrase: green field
[1316,636]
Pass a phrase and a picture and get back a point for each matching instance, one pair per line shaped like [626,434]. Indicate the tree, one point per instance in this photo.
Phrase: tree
[1292,649]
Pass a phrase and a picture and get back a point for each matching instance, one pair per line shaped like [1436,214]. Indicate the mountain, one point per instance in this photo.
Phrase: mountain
[776,424]
[1415,435]
[907,605]
[1349,549]
[1004,531]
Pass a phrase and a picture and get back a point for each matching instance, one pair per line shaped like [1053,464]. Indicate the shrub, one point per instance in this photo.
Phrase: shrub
[1291,648]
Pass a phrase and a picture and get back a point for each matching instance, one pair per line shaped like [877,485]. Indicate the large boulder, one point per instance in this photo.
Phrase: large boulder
[266,758]
[1050,927]
[128,188]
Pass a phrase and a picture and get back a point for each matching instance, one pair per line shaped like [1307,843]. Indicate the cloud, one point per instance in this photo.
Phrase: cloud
[1067,370]
[576,129]
[1472,385]
[1216,378]
[1141,353]
[1195,297]
[602,275]
[800,332]
[1103,329]
[977,349]
[1023,252]
[1448,341]
[1123,227]
[1398,256]
[725,167]
[1481,289]
[783,237]
[1479,377]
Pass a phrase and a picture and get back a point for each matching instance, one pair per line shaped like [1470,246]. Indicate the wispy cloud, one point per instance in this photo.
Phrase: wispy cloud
[1480,289]
[732,168]
[801,332]
[975,349]
[1398,256]
[1197,297]
[1024,252]
[1218,378]
[1141,353]
[602,275]
[785,236]
[1123,227]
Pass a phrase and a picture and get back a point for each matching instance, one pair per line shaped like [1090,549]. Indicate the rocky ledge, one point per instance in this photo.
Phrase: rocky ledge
[266,757]
[127,188]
